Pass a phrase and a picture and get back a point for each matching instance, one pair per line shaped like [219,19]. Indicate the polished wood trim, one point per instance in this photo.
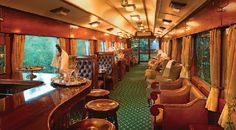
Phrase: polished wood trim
[20,22]
[201,85]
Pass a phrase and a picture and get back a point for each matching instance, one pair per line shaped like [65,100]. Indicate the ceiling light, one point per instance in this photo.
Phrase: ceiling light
[95,24]
[119,33]
[124,2]
[61,11]
[135,17]
[141,27]
[74,26]
[176,6]
[166,22]
[130,7]
[110,29]
[162,28]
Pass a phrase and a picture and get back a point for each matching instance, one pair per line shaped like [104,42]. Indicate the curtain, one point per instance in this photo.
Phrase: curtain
[73,47]
[116,45]
[186,57]
[92,44]
[62,43]
[17,55]
[215,54]
[174,49]
[165,47]
[226,120]
[125,45]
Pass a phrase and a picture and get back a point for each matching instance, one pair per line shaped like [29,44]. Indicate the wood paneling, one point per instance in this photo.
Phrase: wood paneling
[207,18]
[15,21]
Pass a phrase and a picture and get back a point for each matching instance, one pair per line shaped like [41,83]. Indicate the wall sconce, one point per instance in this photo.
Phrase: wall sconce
[94,24]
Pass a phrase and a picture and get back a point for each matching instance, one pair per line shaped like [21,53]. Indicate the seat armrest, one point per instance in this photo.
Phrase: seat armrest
[177,96]
[179,116]
[172,84]
[150,74]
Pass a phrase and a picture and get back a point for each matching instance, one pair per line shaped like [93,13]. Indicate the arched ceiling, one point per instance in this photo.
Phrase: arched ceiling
[112,13]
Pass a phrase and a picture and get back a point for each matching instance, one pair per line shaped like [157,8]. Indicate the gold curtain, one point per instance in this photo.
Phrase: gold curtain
[227,117]
[174,49]
[17,55]
[92,44]
[116,45]
[165,47]
[215,54]
[73,47]
[125,45]
[186,57]
[62,43]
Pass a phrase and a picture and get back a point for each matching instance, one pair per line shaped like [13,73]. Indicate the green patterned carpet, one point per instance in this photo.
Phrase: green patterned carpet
[133,113]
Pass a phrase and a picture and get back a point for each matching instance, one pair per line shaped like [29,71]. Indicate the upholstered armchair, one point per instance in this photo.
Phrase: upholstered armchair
[107,60]
[87,67]
[159,76]
[180,107]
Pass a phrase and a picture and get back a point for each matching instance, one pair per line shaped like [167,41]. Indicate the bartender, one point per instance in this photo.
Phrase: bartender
[61,60]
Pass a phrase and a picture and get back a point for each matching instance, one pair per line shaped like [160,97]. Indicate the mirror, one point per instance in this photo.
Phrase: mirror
[2,59]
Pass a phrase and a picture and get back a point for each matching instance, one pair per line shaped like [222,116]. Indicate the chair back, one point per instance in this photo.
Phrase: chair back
[106,59]
[87,67]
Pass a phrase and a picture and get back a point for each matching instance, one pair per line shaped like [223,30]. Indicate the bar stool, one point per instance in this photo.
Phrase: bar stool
[103,108]
[98,94]
[93,124]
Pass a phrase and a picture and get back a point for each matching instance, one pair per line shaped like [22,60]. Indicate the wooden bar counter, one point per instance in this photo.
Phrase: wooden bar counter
[39,107]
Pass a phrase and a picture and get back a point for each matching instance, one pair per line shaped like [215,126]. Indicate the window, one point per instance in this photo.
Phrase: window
[154,46]
[83,47]
[203,56]
[112,44]
[39,51]
[102,46]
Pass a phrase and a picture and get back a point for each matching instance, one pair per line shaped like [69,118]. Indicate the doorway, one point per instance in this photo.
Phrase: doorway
[144,48]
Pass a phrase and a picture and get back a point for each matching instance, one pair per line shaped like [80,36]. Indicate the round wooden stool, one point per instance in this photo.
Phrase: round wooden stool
[93,124]
[103,108]
[98,94]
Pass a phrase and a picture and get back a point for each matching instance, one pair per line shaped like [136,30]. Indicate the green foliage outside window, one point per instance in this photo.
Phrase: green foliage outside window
[39,51]
[102,46]
[202,45]
[154,46]
[83,47]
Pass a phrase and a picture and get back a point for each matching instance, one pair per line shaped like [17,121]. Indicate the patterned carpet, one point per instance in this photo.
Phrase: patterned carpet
[133,113]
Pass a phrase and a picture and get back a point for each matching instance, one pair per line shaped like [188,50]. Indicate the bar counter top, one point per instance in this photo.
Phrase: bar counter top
[32,109]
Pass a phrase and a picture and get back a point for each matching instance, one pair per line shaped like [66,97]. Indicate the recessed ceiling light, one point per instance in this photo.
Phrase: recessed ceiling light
[135,17]
[162,28]
[95,24]
[110,29]
[166,22]
[130,7]
[141,27]
[74,26]
[60,11]
[176,6]
[119,33]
